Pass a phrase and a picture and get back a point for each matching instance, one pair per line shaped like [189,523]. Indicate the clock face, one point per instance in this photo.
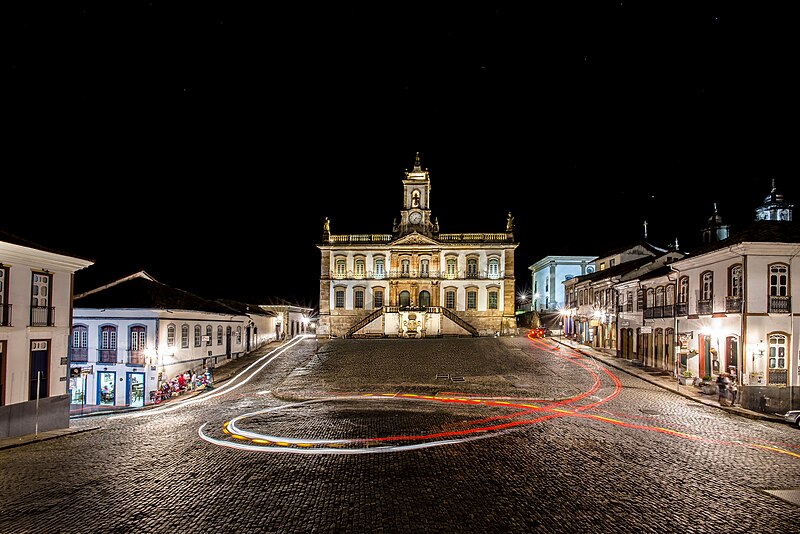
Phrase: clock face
[415,217]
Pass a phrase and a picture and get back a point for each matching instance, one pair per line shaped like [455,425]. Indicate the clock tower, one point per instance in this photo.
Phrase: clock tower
[416,214]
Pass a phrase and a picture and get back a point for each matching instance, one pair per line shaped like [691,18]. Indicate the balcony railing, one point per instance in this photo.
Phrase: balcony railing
[5,314]
[136,357]
[778,377]
[705,306]
[682,309]
[779,304]
[733,304]
[106,355]
[43,316]
[79,354]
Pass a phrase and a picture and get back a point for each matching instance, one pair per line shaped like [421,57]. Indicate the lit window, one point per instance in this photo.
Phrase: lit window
[451,267]
[494,268]
[777,351]
[708,285]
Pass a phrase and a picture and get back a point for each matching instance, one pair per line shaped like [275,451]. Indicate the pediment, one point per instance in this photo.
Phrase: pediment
[414,238]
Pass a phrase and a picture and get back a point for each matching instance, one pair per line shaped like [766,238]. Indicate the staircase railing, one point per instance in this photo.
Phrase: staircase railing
[364,322]
[459,321]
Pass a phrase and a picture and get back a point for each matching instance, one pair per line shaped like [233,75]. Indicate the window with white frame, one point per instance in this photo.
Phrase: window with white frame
[707,285]
[171,335]
[404,267]
[494,268]
[359,265]
[377,298]
[683,290]
[80,343]
[423,267]
[341,268]
[735,281]
[185,336]
[660,296]
[778,280]
[380,267]
[777,351]
[198,335]
[219,334]
[450,265]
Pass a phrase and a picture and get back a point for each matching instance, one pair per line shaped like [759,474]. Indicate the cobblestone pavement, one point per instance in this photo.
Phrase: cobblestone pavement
[430,435]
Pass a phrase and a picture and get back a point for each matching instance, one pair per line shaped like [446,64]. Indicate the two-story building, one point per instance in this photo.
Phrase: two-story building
[35,315]
[133,334]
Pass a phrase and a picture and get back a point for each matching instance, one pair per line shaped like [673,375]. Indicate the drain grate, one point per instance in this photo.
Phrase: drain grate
[450,378]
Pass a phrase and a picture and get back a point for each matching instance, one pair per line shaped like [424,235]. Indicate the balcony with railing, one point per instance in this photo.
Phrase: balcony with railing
[779,304]
[682,309]
[43,316]
[136,357]
[79,354]
[5,314]
[106,355]
[705,306]
[733,304]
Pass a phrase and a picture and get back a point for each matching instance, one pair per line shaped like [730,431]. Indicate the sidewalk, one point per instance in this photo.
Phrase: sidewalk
[664,380]
[220,374]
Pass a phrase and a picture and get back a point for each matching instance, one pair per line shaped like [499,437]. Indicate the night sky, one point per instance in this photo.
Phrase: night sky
[207,141]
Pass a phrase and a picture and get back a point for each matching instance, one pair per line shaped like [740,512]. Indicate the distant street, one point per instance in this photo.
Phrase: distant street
[420,435]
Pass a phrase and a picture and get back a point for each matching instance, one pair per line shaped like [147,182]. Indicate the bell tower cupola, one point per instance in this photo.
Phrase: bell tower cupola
[416,213]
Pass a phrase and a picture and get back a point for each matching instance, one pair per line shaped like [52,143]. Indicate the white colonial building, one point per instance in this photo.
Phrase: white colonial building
[548,276]
[133,334]
[35,316]
[416,281]
[735,302]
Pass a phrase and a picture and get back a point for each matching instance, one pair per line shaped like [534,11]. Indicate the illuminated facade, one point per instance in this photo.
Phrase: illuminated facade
[416,281]
[36,287]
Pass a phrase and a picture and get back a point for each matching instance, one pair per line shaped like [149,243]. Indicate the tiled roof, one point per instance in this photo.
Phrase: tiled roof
[23,242]
[141,292]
